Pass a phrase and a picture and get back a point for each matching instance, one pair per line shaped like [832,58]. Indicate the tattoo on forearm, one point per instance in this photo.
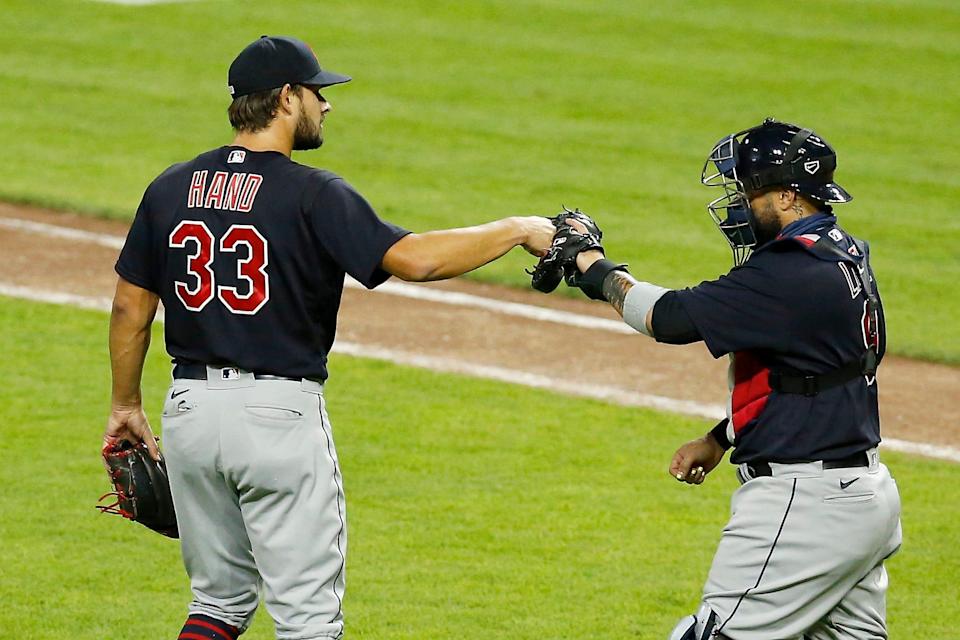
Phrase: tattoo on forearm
[615,288]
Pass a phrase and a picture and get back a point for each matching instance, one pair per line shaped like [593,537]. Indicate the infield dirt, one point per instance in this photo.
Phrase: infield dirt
[919,400]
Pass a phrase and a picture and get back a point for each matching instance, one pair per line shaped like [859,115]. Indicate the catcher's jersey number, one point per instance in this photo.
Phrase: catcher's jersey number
[196,294]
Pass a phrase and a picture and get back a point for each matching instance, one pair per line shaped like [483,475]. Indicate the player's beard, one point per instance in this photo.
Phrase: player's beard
[308,134]
[766,224]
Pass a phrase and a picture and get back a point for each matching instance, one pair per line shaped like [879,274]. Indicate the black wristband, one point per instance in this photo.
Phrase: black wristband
[719,434]
[591,282]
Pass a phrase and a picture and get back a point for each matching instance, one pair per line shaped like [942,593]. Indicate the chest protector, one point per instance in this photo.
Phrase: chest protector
[832,244]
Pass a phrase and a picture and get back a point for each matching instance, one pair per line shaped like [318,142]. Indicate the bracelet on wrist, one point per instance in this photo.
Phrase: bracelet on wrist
[719,434]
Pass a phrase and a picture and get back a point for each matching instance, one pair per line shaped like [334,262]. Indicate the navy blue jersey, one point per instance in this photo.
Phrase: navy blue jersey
[792,308]
[248,251]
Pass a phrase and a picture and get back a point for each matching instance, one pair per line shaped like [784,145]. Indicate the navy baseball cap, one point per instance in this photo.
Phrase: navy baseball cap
[273,61]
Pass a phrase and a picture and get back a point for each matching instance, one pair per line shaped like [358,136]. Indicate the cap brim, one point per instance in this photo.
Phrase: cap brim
[829,193]
[833,193]
[326,78]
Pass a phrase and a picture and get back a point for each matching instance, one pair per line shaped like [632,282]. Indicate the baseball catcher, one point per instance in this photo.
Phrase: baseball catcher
[801,321]
[141,489]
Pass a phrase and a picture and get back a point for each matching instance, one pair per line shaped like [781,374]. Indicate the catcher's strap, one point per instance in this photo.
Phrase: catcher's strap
[561,258]
[141,487]
[591,280]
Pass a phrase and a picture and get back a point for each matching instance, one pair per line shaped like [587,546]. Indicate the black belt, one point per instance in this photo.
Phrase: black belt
[199,372]
[811,385]
[861,459]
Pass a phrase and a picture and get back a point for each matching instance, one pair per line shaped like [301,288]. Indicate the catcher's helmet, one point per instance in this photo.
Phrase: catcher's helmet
[769,155]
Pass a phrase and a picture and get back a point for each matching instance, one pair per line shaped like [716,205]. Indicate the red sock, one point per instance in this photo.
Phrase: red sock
[201,627]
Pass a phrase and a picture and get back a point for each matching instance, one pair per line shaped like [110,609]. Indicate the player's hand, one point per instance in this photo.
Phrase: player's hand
[130,424]
[538,234]
[585,259]
[694,460]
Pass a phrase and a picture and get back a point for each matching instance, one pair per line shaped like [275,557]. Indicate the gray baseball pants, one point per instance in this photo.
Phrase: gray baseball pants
[802,555]
[259,497]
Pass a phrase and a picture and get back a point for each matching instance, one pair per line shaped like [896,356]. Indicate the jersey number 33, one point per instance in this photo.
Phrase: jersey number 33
[201,287]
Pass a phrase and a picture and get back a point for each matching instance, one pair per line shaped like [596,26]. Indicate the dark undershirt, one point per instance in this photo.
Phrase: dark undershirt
[670,322]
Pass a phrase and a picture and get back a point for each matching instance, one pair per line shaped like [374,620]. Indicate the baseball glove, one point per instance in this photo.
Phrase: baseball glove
[141,488]
[561,259]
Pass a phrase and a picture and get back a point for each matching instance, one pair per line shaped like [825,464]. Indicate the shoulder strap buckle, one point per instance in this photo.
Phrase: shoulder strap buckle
[869,363]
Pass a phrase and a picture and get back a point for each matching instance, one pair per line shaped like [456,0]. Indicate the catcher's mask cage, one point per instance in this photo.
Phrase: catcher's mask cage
[772,154]
[731,211]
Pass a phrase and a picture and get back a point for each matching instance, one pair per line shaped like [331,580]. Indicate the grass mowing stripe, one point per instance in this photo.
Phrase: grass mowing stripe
[143,3]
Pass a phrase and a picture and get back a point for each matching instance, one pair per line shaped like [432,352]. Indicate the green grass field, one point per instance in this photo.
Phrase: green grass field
[477,509]
[463,112]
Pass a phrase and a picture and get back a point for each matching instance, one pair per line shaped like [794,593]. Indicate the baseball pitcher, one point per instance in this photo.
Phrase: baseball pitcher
[248,251]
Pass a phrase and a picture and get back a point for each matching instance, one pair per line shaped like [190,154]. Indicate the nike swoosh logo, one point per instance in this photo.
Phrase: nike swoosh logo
[844,485]
[178,393]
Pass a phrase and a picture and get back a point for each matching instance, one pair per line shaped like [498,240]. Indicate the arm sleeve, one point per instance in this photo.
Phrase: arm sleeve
[745,309]
[640,299]
[353,234]
[137,261]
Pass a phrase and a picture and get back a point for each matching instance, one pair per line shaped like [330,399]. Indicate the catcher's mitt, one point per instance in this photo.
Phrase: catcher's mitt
[561,258]
[142,490]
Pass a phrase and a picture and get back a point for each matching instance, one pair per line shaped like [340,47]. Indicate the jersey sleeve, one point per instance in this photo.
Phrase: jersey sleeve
[746,309]
[137,261]
[353,234]
[670,322]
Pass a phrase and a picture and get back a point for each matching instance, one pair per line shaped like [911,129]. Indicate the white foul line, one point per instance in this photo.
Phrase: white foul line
[53,231]
[615,395]
[416,292]
[521,310]
[55,297]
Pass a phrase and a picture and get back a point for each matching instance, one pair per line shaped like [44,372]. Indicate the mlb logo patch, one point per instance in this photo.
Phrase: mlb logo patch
[835,234]
[229,374]
[236,156]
